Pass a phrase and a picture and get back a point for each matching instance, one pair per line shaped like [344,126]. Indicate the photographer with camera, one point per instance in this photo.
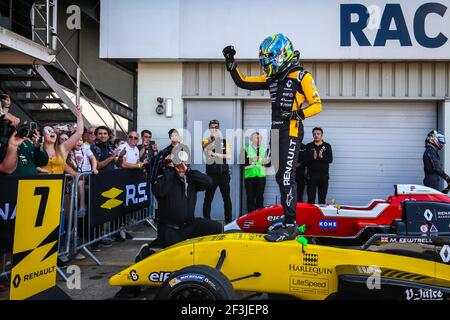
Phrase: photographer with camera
[176,190]
[21,150]
[147,150]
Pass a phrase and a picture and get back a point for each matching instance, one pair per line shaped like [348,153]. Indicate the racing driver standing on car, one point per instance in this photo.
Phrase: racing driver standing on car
[431,161]
[289,86]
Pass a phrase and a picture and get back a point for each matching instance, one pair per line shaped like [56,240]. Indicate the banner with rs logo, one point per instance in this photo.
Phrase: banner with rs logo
[115,193]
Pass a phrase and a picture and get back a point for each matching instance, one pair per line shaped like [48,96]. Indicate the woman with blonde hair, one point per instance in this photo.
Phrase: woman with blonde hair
[58,153]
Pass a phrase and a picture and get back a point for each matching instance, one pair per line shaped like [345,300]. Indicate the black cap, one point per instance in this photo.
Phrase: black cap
[214,122]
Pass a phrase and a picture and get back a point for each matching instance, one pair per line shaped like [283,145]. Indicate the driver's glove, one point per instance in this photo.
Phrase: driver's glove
[228,53]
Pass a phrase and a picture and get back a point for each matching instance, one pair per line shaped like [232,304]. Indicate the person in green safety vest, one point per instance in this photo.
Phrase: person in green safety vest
[255,172]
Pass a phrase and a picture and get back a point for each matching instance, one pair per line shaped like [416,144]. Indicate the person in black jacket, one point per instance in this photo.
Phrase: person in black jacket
[434,142]
[176,191]
[318,156]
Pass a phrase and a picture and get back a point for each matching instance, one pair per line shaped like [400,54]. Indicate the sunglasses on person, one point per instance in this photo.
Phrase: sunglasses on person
[133,137]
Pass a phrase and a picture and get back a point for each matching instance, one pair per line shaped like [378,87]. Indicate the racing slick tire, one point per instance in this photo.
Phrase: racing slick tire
[199,282]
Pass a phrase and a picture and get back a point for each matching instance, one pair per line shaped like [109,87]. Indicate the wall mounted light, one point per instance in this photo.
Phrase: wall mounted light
[169,108]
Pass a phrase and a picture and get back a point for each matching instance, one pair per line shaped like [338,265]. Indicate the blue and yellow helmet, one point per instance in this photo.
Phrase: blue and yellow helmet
[275,52]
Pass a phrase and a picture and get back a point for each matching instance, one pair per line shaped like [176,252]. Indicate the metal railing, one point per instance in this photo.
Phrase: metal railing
[83,236]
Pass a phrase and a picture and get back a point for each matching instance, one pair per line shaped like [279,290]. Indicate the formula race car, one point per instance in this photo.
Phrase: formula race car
[333,223]
[411,261]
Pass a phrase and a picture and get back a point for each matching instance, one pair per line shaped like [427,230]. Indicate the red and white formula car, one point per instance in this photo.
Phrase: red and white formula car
[340,221]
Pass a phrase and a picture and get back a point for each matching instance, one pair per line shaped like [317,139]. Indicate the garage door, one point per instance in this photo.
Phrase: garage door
[375,145]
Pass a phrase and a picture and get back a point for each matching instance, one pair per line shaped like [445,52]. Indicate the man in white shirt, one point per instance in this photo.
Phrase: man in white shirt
[130,160]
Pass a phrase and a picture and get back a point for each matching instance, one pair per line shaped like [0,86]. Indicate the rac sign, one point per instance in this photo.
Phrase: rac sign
[391,25]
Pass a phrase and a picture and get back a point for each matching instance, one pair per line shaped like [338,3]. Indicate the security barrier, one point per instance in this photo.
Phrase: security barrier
[117,200]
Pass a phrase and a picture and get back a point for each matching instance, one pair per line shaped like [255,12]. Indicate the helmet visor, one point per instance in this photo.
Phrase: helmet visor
[266,59]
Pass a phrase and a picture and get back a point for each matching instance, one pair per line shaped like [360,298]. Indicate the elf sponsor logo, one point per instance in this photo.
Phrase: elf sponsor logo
[309,285]
[160,276]
[328,224]
[423,294]
[310,269]
[274,218]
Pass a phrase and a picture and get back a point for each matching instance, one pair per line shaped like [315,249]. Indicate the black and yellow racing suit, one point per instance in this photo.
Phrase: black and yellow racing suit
[288,90]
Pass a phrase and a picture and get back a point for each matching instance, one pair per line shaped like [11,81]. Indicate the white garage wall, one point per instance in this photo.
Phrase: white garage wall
[159,80]
[375,145]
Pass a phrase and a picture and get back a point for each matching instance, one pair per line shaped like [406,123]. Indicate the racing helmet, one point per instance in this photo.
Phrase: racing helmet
[436,138]
[275,53]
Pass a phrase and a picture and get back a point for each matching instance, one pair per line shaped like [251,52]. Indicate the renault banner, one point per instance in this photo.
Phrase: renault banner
[36,233]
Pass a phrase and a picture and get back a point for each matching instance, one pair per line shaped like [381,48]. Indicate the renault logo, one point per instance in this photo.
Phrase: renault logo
[112,202]
[428,215]
[445,253]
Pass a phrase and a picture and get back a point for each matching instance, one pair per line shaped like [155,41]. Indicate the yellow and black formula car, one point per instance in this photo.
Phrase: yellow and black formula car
[404,264]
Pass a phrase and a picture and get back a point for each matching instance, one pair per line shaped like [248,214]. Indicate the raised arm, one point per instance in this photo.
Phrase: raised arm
[242,81]
[72,141]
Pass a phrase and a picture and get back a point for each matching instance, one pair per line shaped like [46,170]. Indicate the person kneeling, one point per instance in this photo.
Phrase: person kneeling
[176,191]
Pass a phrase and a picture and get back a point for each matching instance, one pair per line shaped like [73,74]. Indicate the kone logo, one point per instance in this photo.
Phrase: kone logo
[112,202]
[391,25]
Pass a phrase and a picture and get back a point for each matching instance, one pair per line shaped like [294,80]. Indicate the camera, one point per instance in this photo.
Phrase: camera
[26,130]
